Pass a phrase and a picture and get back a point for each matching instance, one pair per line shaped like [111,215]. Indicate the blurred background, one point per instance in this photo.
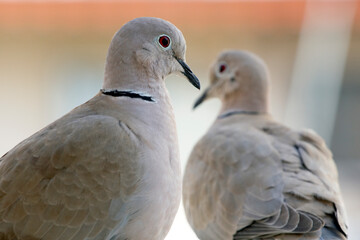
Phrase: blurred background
[52,56]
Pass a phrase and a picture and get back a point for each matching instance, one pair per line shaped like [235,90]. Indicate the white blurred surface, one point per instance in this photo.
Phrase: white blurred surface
[319,66]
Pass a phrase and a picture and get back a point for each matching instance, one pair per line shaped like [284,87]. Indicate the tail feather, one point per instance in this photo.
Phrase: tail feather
[332,234]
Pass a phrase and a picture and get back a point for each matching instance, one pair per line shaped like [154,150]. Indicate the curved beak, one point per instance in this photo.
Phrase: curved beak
[201,98]
[189,74]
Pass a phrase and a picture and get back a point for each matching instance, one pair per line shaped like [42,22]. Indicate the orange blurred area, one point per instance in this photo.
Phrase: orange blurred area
[198,14]
[109,15]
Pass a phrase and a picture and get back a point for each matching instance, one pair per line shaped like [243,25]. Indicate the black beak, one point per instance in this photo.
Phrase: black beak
[189,74]
[201,98]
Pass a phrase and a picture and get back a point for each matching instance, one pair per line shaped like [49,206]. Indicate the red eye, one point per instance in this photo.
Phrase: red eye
[164,41]
[222,68]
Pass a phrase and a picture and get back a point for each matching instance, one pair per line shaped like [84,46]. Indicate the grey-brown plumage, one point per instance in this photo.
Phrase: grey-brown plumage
[109,169]
[251,177]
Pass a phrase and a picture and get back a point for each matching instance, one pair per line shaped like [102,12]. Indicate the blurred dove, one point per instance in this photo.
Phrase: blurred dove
[109,169]
[250,177]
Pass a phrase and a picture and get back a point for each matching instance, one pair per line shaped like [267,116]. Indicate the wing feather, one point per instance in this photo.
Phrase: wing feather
[244,182]
[60,182]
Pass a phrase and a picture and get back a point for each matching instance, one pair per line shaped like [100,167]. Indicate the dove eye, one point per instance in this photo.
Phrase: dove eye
[222,68]
[164,41]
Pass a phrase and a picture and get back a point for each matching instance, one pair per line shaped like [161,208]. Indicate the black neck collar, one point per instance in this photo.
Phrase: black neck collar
[130,94]
[228,114]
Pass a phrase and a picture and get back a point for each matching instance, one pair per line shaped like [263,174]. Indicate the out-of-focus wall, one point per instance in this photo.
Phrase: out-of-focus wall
[52,58]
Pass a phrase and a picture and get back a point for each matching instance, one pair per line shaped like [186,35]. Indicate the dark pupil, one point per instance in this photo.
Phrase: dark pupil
[222,68]
[164,41]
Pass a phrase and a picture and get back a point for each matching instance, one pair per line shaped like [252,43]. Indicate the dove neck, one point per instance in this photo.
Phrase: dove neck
[129,75]
[246,101]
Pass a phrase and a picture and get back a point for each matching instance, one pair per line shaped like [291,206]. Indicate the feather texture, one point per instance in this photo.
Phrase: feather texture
[251,177]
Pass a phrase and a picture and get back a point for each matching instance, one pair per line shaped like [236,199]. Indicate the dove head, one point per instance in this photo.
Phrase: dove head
[240,79]
[143,52]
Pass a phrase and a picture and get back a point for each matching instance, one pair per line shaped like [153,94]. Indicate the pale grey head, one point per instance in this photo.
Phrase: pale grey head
[145,49]
[240,80]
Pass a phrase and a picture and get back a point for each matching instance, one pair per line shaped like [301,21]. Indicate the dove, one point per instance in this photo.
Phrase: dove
[251,177]
[109,169]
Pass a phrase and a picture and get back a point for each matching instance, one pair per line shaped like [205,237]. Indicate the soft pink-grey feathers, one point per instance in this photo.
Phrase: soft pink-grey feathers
[251,177]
